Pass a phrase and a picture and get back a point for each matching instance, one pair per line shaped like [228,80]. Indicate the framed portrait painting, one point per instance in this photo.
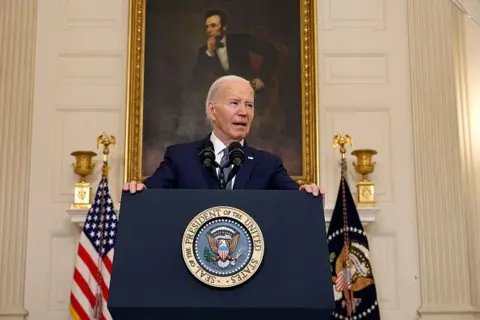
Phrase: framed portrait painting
[178,48]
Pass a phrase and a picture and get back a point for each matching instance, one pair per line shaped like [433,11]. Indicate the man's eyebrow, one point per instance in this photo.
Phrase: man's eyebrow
[238,98]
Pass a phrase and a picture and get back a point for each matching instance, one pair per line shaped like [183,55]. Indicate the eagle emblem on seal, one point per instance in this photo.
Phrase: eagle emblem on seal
[222,249]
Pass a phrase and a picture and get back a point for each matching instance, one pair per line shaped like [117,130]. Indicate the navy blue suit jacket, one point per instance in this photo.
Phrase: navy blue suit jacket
[181,169]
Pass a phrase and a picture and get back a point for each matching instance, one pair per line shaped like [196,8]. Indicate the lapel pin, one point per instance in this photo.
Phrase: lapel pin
[251,158]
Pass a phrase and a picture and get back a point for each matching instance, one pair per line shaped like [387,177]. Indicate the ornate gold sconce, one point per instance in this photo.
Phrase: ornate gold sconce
[365,187]
[83,167]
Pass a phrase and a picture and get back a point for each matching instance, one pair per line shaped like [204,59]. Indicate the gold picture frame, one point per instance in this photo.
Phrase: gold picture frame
[135,93]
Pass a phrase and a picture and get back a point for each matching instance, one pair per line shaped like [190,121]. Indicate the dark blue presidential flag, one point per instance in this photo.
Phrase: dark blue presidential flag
[352,276]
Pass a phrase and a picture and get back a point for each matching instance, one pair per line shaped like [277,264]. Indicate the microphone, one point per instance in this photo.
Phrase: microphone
[207,155]
[236,156]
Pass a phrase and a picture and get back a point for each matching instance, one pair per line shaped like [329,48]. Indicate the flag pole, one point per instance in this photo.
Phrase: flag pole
[343,140]
[105,140]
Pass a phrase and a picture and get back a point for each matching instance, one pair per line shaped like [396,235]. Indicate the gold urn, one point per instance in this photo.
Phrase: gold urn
[365,187]
[83,167]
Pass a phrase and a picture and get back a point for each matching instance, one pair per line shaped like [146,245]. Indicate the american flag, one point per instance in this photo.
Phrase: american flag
[342,282]
[91,277]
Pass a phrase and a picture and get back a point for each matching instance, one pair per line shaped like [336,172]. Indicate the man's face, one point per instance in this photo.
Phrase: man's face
[214,27]
[233,111]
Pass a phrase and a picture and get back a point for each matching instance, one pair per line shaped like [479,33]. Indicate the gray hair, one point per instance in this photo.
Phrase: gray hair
[215,89]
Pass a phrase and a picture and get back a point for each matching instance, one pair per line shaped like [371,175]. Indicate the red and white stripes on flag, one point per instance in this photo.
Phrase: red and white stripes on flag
[91,276]
[342,282]
[85,286]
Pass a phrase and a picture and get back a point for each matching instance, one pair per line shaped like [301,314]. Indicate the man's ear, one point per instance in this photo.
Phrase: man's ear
[211,110]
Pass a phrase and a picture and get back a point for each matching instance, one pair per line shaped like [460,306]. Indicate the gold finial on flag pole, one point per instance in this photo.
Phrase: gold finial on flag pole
[342,140]
[106,140]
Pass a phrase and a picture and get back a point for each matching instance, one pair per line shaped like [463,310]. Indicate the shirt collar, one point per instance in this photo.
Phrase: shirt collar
[218,145]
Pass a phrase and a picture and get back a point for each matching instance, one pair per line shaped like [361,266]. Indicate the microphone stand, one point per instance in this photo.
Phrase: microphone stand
[233,172]
[221,176]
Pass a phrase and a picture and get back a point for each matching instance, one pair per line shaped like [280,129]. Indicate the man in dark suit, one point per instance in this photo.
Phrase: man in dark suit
[229,54]
[230,110]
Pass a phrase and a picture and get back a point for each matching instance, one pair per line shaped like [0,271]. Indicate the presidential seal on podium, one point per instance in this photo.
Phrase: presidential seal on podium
[223,247]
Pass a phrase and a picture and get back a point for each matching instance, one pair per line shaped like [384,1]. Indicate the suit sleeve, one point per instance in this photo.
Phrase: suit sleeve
[280,179]
[165,176]
[269,53]
[204,65]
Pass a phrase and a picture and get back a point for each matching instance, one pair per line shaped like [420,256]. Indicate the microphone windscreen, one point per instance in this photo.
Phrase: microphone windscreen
[208,145]
[235,145]
[207,154]
[236,155]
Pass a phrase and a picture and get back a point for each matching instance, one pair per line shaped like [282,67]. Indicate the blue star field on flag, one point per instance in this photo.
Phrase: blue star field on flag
[101,222]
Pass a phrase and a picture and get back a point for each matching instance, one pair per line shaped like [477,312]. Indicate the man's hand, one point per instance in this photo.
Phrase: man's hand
[211,45]
[133,186]
[315,190]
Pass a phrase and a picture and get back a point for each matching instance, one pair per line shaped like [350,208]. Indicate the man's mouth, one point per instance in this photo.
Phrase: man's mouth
[240,124]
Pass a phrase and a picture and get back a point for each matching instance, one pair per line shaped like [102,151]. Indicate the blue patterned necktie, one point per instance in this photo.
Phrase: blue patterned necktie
[226,171]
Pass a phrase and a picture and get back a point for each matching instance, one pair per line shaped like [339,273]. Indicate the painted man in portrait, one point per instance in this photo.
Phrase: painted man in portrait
[226,53]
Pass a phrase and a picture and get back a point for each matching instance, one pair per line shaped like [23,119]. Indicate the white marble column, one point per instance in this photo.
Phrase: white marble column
[443,199]
[17,45]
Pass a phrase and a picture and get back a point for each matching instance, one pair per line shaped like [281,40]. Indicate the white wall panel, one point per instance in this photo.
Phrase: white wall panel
[348,68]
[92,14]
[353,14]
[95,69]
[385,263]
[62,257]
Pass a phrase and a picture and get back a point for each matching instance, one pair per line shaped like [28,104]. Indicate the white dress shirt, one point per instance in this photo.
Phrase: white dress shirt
[218,147]
[222,54]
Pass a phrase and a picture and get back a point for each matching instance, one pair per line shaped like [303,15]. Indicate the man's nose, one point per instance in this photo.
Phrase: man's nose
[242,110]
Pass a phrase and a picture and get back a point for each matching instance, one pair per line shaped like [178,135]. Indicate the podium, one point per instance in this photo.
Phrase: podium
[203,254]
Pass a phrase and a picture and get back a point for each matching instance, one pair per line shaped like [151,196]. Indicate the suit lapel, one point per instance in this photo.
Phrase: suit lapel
[245,171]
[211,177]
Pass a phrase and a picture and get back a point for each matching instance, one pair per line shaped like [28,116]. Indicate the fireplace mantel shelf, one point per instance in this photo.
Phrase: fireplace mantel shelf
[367,215]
